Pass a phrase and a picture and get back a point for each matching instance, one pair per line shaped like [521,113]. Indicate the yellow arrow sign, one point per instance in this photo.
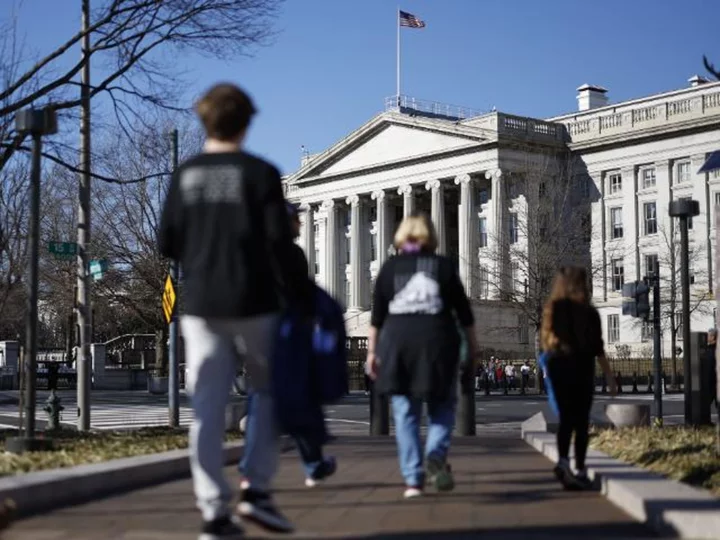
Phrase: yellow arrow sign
[168,299]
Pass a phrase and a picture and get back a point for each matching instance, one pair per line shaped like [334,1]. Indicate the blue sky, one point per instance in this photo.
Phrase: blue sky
[333,63]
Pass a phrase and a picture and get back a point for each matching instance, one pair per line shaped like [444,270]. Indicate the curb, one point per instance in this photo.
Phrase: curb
[667,506]
[48,490]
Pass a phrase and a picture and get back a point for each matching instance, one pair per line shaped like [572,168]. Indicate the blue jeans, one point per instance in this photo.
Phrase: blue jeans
[310,451]
[407,413]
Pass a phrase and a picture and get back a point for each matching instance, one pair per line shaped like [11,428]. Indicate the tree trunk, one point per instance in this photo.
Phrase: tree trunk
[161,352]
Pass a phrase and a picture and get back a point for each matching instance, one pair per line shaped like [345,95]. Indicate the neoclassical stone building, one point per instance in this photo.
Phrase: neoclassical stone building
[483,178]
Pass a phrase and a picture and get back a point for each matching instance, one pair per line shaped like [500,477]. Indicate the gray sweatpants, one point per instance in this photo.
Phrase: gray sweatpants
[211,353]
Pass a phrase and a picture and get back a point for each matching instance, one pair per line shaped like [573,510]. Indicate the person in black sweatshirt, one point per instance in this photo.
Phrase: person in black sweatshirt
[225,222]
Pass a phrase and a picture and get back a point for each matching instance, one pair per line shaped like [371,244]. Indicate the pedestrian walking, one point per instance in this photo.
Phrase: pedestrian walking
[310,440]
[414,350]
[225,222]
[571,339]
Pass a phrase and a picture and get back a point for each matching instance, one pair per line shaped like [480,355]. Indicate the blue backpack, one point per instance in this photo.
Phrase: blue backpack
[309,365]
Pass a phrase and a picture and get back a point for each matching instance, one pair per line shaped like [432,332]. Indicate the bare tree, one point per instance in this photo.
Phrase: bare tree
[671,289]
[133,41]
[13,223]
[548,225]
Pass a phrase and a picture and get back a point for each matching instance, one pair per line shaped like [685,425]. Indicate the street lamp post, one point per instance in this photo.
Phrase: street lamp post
[35,123]
[684,209]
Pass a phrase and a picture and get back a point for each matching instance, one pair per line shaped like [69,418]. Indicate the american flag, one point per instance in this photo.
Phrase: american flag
[410,20]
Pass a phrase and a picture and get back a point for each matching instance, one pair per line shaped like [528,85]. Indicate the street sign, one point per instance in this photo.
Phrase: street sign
[63,250]
[168,299]
[97,268]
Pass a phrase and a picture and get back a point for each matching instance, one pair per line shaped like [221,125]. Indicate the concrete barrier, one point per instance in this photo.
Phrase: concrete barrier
[47,490]
[628,414]
[668,507]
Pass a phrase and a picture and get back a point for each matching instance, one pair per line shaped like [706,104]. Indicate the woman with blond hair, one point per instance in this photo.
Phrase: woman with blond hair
[571,339]
[414,349]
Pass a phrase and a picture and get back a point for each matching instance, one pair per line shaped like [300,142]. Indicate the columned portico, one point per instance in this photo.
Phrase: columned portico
[499,235]
[308,236]
[332,275]
[408,199]
[437,211]
[358,231]
[383,234]
[466,232]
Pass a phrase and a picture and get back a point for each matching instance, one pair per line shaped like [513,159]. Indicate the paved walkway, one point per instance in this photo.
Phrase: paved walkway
[504,491]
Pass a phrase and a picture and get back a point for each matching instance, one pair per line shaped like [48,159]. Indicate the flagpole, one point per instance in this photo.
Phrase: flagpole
[397,93]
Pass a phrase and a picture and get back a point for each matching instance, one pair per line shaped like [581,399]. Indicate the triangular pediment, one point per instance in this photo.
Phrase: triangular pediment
[389,139]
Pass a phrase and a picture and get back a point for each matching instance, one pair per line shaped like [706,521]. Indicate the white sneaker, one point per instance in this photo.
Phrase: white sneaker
[412,493]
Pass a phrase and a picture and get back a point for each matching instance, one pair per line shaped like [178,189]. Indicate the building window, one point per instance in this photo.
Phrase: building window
[373,247]
[316,229]
[650,263]
[683,171]
[618,274]
[646,331]
[648,178]
[613,324]
[616,223]
[523,336]
[373,213]
[513,228]
[542,189]
[317,261]
[690,219]
[615,183]
[484,282]
[691,272]
[348,243]
[515,285]
[482,225]
[650,218]
[348,293]
[483,196]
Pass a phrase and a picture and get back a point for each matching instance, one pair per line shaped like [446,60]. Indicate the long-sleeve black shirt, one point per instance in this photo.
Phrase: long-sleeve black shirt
[226,222]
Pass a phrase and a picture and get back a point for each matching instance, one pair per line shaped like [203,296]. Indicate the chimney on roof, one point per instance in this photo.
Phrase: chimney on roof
[591,97]
[697,80]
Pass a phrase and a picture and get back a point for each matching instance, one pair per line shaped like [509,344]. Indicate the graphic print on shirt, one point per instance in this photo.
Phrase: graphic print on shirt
[417,292]
[215,184]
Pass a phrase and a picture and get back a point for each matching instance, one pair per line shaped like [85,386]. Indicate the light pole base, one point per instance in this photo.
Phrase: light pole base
[21,445]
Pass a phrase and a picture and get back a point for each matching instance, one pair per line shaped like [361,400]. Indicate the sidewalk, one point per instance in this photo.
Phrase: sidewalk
[504,490]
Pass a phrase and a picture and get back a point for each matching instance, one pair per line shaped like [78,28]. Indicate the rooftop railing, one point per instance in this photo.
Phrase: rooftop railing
[432,109]
[625,119]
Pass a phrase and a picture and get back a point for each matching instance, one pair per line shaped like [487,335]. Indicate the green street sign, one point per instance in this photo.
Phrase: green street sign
[97,268]
[63,250]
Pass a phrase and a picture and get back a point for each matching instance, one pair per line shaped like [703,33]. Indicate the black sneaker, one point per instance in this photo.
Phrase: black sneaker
[584,481]
[224,528]
[258,507]
[440,474]
[566,477]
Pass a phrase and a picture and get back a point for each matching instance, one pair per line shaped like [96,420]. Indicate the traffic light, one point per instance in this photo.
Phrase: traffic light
[636,299]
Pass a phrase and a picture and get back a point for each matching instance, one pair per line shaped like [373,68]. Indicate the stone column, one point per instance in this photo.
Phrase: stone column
[382,227]
[308,236]
[467,220]
[357,276]
[437,211]
[498,205]
[408,199]
[331,255]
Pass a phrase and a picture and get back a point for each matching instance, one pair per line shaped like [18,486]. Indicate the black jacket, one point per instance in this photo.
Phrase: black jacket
[226,222]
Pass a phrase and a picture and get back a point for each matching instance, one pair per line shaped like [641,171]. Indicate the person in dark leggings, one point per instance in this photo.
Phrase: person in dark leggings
[572,336]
